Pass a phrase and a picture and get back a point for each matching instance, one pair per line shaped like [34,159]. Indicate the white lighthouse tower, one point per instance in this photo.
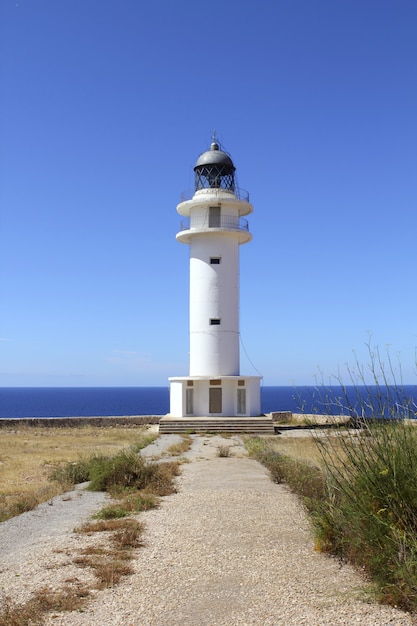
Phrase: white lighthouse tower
[214,227]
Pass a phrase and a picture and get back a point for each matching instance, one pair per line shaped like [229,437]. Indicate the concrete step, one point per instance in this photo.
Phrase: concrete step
[252,425]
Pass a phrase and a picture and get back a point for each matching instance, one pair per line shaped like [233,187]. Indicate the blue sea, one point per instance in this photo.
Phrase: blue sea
[100,401]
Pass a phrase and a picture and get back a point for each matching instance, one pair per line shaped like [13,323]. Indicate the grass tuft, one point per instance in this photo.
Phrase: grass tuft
[129,536]
[102,526]
[110,572]
[45,600]
[114,511]
[223,451]
[65,599]
[12,614]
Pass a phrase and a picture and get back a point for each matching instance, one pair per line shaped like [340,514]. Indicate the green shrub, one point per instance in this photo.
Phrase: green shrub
[72,473]
[75,472]
[127,468]
[116,511]
[123,472]
[141,501]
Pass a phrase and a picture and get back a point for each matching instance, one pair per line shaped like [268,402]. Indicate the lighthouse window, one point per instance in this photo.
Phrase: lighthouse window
[215,260]
[189,401]
[241,401]
[214,321]
[214,217]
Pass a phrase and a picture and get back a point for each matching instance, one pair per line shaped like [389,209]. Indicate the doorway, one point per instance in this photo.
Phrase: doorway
[215,400]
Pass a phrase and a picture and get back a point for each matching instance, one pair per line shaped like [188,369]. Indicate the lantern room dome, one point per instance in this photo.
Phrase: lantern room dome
[214,169]
[215,156]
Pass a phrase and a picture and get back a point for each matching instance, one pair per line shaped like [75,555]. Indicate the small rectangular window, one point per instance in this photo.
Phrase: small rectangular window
[190,383]
[215,260]
[240,383]
[214,321]
[241,401]
[189,401]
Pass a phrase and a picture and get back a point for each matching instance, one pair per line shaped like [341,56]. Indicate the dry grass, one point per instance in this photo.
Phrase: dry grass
[162,482]
[28,454]
[110,562]
[108,568]
[12,614]
[93,550]
[69,598]
[110,572]
[309,419]
[45,600]
[129,537]
[105,525]
[177,449]
[305,448]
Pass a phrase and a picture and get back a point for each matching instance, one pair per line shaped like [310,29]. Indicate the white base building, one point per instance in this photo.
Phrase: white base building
[232,396]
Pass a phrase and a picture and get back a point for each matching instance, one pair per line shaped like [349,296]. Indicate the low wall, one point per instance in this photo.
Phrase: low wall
[65,422]
[281,416]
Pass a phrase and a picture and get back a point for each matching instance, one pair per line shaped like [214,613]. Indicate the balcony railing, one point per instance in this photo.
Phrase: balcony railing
[222,221]
[240,194]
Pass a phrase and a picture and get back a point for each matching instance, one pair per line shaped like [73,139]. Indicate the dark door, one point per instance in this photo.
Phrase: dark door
[215,400]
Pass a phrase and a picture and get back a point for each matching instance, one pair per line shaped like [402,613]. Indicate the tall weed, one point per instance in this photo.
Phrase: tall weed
[370,516]
[362,502]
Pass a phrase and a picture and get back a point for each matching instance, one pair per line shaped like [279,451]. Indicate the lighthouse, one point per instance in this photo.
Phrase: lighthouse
[214,226]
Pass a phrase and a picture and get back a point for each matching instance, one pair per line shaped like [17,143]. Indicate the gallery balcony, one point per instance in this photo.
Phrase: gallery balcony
[228,224]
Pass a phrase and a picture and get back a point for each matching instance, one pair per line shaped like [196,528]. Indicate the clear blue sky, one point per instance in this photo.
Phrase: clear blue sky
[105,106]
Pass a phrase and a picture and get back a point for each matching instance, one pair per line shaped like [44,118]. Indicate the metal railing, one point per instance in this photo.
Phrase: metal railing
[240,194]
[223,221]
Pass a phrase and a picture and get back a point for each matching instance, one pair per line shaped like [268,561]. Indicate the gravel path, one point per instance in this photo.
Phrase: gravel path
[230,548]
[36,547]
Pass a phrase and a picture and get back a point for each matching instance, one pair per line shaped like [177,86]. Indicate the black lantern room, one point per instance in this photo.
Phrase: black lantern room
[214,170]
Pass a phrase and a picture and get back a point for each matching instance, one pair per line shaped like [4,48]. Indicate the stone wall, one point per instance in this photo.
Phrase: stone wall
[65,422]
